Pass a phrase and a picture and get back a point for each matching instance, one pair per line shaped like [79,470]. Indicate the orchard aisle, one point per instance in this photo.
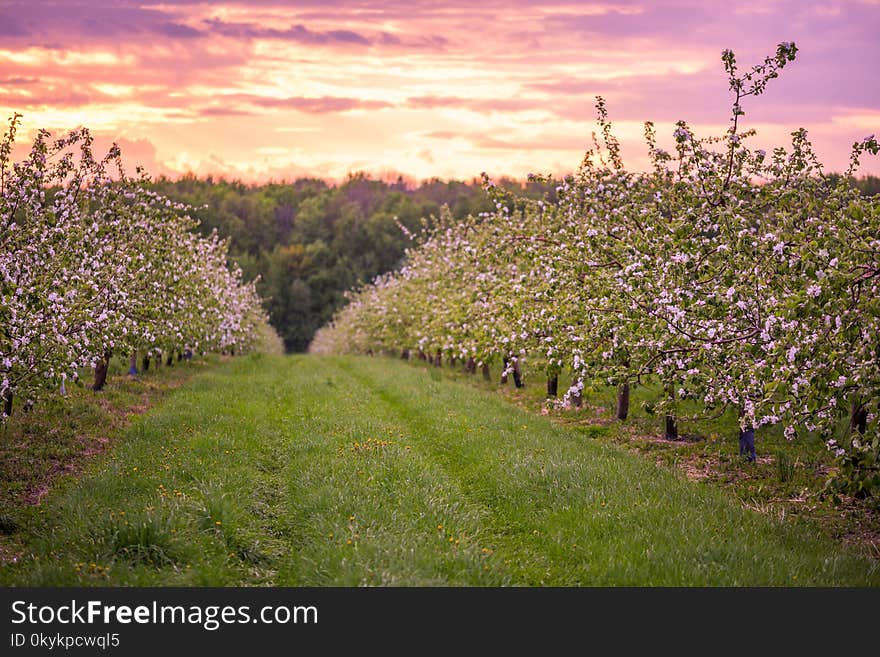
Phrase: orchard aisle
[315,471]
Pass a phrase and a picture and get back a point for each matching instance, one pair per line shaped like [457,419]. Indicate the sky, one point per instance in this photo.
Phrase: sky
[275,90]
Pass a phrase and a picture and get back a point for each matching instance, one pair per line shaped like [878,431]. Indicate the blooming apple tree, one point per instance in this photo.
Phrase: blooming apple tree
[92,262]
[732,276]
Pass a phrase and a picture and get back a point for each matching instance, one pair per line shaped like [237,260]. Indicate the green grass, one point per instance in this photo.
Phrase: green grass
[788,479]
[308,471]
[62,432]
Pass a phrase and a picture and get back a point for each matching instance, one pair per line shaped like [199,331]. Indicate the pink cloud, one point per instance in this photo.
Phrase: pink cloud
[339,84]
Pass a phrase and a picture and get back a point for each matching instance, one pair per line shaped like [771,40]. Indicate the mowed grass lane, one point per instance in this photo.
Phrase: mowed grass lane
[309,471]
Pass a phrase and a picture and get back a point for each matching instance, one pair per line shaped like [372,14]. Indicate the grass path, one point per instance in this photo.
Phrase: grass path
[307,471]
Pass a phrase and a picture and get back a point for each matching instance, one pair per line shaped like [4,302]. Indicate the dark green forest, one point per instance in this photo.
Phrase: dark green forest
[309,241]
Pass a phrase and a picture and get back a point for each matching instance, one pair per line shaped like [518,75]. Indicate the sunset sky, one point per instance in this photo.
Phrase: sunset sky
[274,89]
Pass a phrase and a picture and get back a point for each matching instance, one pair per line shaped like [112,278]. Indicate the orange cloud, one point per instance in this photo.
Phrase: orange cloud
[277,89]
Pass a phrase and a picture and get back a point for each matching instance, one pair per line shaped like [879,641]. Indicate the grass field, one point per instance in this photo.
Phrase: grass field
[308,471]
[787,480]
[63,432]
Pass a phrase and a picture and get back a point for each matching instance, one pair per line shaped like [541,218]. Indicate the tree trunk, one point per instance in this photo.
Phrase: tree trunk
[517,374]
[101,372]
[438,359]
[504,365]
[133,364]
[671,423]
[486,374]
[145,363]
[470,366]
[747,443]
[404,354]
[7,404]
[552,387]
[577,399]
[623,401]
[180,355]
[858,420]
[170,360]
[422,355]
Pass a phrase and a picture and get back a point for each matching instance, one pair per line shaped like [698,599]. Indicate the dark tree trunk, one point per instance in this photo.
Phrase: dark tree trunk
[504,365]
[671,423]
[577,399]
[170,360]
[145,363]
[7,404]
[858,420]
[517,374]
[747,443]
[552,387]
[470,366]
[623,401]
[180,354]
[133,364]
[404,354]
[101,372]
[438,359]
[422,355]
[486,374]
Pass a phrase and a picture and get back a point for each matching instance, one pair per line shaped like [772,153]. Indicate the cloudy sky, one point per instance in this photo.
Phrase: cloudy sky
[275,89]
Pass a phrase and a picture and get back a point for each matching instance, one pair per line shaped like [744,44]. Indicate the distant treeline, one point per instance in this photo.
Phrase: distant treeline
[869,185]
[310,241]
